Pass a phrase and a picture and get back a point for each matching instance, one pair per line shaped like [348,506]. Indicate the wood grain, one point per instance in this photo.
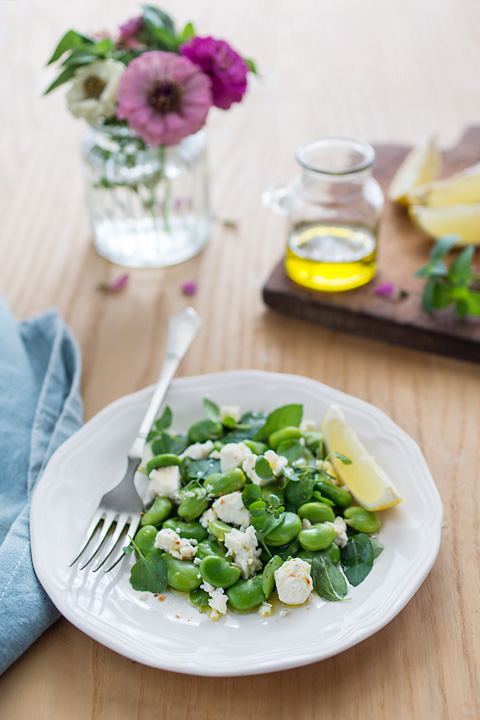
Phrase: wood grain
[386,71]
[402,250]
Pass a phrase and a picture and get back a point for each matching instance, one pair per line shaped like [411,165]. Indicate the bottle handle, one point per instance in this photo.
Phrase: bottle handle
[275,198]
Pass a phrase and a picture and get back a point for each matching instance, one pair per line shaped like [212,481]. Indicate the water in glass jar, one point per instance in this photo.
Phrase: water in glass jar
[331,256]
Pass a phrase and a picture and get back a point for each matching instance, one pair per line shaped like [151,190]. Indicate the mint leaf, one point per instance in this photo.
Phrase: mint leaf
[165,420]
[443,246]
[345,460]
[263,469]
[428,294]
[357,558]
[250,494]
[285,416]
[461,268]
[211,410]
[328,580]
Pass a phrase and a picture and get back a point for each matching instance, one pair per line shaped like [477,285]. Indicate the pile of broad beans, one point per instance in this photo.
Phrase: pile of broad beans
[294,512]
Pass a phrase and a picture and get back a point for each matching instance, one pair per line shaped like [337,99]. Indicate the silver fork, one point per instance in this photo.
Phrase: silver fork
[119,511]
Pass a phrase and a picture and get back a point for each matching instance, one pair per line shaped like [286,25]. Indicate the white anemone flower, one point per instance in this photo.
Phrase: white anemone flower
[92,94]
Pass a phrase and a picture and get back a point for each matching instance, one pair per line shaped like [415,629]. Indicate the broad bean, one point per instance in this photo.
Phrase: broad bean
[285,532]
[317,537]
[268,575]
[158,512]
[259,448]
[246,594]
[286,433]
[223,483]
[189,530]
[209,547]
[316,512]
[192,503]
[218,572]
[182,574]
[338,495]
[165,460]
[219,529]
[145,538]
[362,520]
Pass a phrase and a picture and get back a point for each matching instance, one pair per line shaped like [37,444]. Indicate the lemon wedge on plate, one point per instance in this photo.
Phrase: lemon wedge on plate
[461,220]
[462,188]
[368,483]
[421,165]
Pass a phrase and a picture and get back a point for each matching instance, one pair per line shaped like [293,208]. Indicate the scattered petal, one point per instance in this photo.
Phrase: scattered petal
[386,289]
[115,285]
[189,287]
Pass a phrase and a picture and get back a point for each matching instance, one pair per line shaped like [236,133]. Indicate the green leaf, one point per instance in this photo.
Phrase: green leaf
[251,66]
[158,18]
[423,272]
[103,47]
[263,469]
[162,38]
[165,420]
[229,422]
[357,558]
[211,410]
[473,301]
[258,508]
[69,41]
[442,295]
[285,416]
[250,494]
[199,469]
[247,428]
[80,57]
[428,295]
[187,32]
[328,580]
[149,572]
[443,246]
[461,307]
[343,458]
[64,77]
[166,443]
[461,268]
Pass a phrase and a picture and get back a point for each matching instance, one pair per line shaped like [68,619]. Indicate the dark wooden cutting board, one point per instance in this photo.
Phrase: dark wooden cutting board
[402,249]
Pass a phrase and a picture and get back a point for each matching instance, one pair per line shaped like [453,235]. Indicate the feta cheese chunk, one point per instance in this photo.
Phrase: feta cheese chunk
[242,546]
[293,581]
[178,547]
[218,598]
[208,516]
[230,509]
[198,451]
[232,455]
[265,609]
[276,462]
[248,467]
[165,481]
[340,527]
[307,426]
[232,411]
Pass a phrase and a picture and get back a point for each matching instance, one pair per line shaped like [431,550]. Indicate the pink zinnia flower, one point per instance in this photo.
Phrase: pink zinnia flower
[225,68]
[163,97]
[128,33]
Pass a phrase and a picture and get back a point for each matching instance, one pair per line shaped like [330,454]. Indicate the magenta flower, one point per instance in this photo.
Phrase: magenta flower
[386,289]
[128,33]
[119,283]
[225,68]
[164,97]
[189,287]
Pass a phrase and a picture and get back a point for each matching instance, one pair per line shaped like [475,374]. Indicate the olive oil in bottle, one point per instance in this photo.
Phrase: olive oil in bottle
[331,256]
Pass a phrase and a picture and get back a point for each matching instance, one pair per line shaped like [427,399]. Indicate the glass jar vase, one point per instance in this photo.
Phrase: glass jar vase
[333,207]
[149,207]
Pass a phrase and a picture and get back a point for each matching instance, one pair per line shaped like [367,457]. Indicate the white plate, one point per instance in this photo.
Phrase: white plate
[171,634]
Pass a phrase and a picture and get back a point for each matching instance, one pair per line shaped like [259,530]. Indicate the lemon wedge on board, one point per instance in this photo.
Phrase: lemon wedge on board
[461,220]
[368,483]
[421,166]
[462,188]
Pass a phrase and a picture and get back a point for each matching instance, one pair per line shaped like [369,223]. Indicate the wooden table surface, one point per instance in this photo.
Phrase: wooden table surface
[384,71]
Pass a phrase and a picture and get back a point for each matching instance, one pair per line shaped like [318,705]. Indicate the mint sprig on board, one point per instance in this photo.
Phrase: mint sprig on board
[450,285]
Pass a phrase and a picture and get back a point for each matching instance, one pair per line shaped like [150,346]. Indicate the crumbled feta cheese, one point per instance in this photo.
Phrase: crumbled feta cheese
[197,561]
[232,411]
[178,547]
[276,462]
[307,426]
[232,455]
[165,481]
[198,451]
[340,527]
[265,609]
[230,509]
[218,599]
[208,516]
[293,581]
[248,467]
[243,547]
[215,455]
[306,524]
[283,612]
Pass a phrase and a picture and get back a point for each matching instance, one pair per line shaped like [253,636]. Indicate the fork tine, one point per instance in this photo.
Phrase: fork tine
[97,518]
[123,521]
[133,526]
[109,519]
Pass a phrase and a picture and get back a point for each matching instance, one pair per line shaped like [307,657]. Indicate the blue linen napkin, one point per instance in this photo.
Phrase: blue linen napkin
[40,407]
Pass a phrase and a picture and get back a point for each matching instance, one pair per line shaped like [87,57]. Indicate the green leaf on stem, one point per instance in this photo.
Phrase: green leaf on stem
[211,410]
[70,40]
